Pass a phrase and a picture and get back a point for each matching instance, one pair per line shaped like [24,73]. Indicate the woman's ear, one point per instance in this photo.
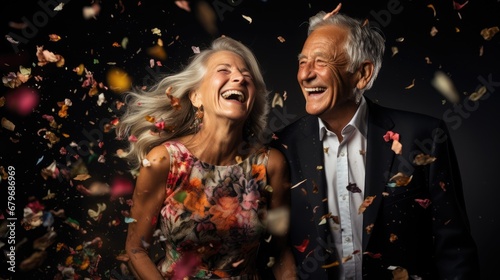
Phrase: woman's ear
[195,98]
[365,72]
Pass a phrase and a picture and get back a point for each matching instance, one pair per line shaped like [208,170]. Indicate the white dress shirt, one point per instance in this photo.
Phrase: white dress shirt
[345,166]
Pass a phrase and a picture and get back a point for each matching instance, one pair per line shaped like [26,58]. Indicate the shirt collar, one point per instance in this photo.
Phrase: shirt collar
[358,122]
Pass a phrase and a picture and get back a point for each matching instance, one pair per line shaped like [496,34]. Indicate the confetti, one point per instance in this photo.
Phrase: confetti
[118,80]
[249,19]
[475,96]
[302,247]
[423,159]
[488,33]
[146,163]
[401,179]
[367,202]
[445,86]
[277,100]
[423,202]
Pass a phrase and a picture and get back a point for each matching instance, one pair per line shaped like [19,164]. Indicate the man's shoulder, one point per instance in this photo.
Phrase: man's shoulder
[397,115]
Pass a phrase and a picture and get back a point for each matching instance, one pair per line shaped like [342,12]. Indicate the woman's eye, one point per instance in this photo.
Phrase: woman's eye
[247,75]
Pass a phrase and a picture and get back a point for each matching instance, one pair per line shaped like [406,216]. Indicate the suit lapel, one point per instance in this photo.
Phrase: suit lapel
[379,160]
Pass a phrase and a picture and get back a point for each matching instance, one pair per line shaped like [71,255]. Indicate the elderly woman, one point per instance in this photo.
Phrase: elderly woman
[205,173]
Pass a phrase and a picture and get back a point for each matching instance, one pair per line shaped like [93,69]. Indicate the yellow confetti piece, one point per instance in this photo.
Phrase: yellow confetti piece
[118,80]
[335,263]
[475,96]
[150,119]
[488,33]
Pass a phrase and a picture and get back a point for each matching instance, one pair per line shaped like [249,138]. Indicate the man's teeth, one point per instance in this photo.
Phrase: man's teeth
[315,89]
[234,94]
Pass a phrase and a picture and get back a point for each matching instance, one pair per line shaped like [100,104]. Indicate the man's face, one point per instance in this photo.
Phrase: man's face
[322,73]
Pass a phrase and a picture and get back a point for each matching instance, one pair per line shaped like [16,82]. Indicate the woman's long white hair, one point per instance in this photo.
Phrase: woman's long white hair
[151,117]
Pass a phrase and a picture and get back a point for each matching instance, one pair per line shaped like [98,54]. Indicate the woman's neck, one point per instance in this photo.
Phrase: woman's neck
[216,146]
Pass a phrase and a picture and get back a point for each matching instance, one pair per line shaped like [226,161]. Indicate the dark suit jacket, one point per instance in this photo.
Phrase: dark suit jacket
[433,242]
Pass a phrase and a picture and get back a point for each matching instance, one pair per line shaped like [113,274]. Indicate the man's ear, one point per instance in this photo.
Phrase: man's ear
[365,74]
[195,98]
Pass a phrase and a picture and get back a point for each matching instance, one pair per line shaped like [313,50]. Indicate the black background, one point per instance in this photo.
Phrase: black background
[454,50]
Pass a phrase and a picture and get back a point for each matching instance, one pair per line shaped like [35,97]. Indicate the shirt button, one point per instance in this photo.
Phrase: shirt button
[347,239]
[342,154]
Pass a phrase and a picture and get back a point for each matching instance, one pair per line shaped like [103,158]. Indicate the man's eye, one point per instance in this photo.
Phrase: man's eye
[321,63]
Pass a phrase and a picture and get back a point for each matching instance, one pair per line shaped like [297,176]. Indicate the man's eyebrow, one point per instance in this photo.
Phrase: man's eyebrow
[316,54]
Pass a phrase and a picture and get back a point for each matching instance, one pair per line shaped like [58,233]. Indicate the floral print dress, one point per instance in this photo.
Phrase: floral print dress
[213,216]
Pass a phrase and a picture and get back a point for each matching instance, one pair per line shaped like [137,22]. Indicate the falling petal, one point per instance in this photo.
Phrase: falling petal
[156,31]
[423,202]
[183,4]
[457,6]
[334,12]
[22,100]
[393,238]
[401,179]
[475,96]
[121,187]
[281,39]
[446,87]
[270,262]
[373,255]
[488,33]
[423,159]
[369,228]
[367,202]
[277,100]
[150,119]
[335,263]
[54,37]
[249,19]
[411,85]
[433,31]
[399,273]
[394,50]
[302,247]
[352,187]
[236,264]
[298,184]
[432,8]
[146,163]
[82,177]
[442,185]
[129,220]
[397,147]
[119,81]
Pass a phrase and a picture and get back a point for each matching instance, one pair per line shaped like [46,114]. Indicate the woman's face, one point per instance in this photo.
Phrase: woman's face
[227,91]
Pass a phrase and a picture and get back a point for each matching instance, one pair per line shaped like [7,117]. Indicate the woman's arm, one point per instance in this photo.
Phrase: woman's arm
[148,197]
[278,224]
